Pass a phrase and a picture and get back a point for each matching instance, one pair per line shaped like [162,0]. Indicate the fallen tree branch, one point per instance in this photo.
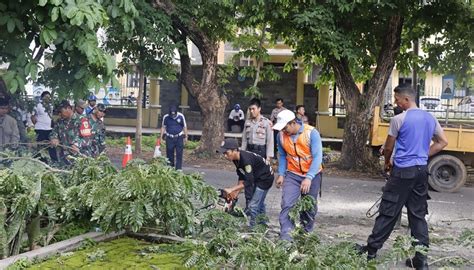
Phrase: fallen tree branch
[39,162]
[457,220]
[446,258]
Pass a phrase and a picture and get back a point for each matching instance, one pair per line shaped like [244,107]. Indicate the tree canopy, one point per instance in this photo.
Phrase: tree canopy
[64,32]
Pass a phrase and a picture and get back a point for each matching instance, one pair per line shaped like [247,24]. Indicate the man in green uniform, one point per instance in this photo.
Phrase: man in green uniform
[98,129]
[73,133]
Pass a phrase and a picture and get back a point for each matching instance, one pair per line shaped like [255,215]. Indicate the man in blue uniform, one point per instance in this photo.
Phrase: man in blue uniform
[174,130]
[92,100]
[412,131]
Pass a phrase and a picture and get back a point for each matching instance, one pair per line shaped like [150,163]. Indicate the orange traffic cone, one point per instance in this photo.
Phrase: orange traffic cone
[127,156]
[157,148]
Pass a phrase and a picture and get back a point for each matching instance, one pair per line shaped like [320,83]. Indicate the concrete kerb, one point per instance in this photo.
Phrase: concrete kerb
[59,247]
[75,242]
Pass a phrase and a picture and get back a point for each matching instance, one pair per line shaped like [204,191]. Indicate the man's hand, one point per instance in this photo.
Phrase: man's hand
[75,148]
[388,165]
[231,195]
[305,186]
[185,140]
[279,181]
[54,142]
[269,160]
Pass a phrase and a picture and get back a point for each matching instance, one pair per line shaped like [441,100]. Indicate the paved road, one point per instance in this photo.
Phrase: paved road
[344,197]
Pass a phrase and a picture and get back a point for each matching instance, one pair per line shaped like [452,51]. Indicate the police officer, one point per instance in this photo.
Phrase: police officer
[72,132]
[174,129]
[254,171]
[412,131]
[257,135]
[98,129]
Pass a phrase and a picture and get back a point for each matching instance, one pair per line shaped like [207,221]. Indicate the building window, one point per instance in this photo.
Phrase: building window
[132,79]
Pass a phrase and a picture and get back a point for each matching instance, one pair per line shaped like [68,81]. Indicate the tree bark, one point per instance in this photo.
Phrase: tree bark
[138,132]
[210,97]
[356,154]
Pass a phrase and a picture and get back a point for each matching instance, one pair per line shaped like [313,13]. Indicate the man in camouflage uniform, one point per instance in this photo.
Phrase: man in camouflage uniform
[98,129]
[73,132]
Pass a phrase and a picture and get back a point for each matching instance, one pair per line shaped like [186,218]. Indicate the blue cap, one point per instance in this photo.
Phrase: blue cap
[236,107]
[92,98]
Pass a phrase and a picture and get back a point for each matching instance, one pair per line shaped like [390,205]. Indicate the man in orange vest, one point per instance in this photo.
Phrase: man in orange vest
[300,156]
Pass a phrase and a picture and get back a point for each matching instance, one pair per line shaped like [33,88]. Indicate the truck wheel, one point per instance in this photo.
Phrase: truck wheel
[448,173]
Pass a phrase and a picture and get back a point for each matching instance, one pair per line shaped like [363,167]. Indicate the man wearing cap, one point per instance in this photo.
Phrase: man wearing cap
[98,129]
[257,135]
[92,100]
[254,171]
[174,130]
[300,156]
[73,133]
[236,118]
[79,107]
[9,134]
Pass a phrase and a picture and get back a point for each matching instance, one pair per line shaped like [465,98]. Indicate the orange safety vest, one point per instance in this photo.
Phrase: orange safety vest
[298,154]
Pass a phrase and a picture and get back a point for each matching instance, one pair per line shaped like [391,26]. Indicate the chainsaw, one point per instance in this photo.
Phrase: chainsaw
[223,204]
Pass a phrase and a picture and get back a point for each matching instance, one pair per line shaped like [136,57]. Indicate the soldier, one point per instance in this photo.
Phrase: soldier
[80,107]
[71,131]
[257,135]
[9,135]
[98,129]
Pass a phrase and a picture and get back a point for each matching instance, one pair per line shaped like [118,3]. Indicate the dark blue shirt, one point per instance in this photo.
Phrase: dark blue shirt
[174,126]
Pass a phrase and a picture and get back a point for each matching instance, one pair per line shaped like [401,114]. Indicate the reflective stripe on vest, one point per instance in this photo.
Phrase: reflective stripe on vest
[298,154]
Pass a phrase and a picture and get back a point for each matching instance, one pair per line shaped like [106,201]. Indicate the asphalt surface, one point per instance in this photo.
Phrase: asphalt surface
[351,198]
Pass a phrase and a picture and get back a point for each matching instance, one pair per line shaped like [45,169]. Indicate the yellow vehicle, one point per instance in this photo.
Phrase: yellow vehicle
[448,169]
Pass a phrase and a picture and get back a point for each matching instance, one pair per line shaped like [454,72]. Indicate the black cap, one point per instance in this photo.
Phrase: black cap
[63,105]
[101,108]
[173,109]
[228,144]
[3,102]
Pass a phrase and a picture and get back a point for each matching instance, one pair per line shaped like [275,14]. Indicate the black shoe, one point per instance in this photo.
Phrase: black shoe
[371,252]
[419,262]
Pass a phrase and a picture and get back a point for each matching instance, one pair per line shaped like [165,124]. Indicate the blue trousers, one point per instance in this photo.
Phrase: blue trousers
[256,205]
[290,195]
[172,145]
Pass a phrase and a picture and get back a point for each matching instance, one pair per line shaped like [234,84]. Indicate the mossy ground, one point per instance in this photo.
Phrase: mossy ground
[122,253]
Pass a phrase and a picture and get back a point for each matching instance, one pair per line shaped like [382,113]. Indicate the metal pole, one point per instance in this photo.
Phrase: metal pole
[415,75]
[144,94]
[334,92]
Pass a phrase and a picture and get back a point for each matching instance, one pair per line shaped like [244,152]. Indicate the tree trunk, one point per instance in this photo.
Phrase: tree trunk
[356,154]
[138,132]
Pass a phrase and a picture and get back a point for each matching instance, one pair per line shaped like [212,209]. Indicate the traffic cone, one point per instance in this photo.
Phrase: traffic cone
[157,148]
[127,156]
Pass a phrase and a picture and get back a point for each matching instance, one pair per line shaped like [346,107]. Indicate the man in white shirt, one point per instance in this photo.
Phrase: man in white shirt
[41,118]
[236,118]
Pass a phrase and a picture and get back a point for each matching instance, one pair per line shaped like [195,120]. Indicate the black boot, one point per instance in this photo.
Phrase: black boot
[371,252]
[419,262]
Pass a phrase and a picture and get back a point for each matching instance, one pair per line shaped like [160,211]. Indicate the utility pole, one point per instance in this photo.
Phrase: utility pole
[415,75]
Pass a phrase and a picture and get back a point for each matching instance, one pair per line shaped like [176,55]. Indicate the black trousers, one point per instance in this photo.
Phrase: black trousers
[172,145]
[232,122]
[43,136]
[409,187]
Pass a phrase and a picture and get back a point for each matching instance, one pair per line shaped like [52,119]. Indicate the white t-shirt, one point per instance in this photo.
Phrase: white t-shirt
[43,121]
[236,115]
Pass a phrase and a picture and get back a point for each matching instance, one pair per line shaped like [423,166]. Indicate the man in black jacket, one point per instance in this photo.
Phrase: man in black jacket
[255,176]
